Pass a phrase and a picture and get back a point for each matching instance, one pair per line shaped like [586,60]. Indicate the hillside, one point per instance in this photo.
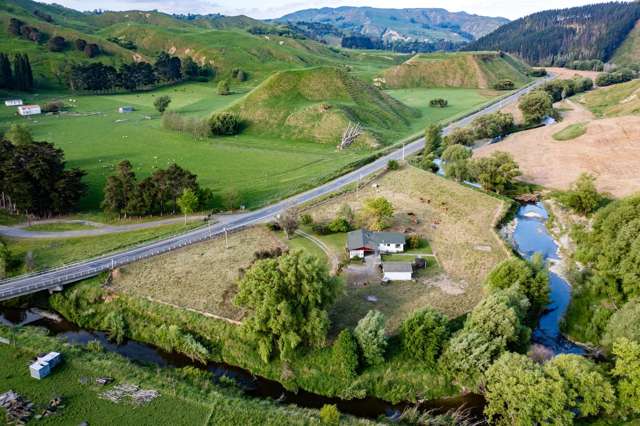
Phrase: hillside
[470,70]
[425,25]
[614,101]
[318,103]
[554,37]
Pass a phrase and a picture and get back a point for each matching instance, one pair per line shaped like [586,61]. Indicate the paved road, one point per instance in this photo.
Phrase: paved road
[56,278]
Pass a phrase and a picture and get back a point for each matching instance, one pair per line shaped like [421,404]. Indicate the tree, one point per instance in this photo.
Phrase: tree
[518,393]
[167,67]
[18,134]
[190,68]
[188,202]
[460,136]
[6,75]
[496,172]
[224,123]
[94,76]
[583,197]
[432,139]
[80,44]
[345,354]
[57,44]
[91,50]
[428,163]
[288,297]
[618,325]
[627,370]
[379,212]
[393,165]
[136,74]
[494,125]
[370,336]
[588,391]
[288,221]
[120,190]
[223,88]
[438,103]
[329,415]
[424,334]
[23,76]
[455,162]
[535,106]
[531,278]
[5,259]
[161,103]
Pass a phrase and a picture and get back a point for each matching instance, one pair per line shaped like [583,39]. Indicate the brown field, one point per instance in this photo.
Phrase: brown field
[202,276]
[609,150]
[566,73]
[459,224]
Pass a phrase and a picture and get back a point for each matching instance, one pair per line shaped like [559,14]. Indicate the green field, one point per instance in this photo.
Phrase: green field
[95,137]
[571,132]
[613,101]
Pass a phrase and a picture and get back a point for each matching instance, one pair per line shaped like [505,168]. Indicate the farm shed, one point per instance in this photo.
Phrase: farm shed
[13,102]
[42,367]
[125,109]
[397,271]
[25,110]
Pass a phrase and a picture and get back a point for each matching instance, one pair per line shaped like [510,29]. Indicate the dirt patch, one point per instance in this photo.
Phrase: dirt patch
[566,73]
[609,150]
[202,276]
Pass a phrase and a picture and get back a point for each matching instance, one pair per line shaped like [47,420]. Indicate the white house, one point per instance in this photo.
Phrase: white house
[125,109]
[13,102]
[42,367]
[25,110]
[361,243]
[397,271]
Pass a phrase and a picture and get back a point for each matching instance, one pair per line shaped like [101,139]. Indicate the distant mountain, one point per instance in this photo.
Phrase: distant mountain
[555,37]
[405,25]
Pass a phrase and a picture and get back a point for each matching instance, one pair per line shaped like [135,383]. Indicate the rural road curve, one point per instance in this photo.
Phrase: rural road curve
[57,277]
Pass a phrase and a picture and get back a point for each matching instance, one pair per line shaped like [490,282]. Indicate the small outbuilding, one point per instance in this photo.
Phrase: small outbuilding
[397,271]
[43,366]
[13,102]
[26,110]
[125,109]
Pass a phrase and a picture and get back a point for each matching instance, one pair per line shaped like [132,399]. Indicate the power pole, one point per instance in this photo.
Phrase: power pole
[226,238]
[402,151]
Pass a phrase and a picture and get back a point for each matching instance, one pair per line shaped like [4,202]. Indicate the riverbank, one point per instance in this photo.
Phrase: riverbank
[186,396]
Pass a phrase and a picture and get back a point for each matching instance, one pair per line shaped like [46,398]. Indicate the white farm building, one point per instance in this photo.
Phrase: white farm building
[361,243]
[13,102]
[397,271]
[26,110]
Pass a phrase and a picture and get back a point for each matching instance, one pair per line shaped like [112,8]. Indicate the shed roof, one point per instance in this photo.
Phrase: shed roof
[397,267]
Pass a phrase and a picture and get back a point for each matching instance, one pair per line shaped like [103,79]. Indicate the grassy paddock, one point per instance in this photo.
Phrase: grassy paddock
[185,398]
[571,132]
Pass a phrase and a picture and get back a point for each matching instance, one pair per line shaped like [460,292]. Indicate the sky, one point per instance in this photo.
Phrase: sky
[264,9]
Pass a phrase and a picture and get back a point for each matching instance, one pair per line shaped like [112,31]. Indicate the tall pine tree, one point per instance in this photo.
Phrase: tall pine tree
[22,74]
[6,76]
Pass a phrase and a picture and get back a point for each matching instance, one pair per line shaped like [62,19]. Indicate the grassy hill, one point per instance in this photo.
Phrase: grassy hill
[468,70]
[318,104]
[614,101]
[555,37]
[629,50]
[406,24]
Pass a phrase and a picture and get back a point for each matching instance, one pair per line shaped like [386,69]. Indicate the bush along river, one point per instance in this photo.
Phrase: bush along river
[529,235]
[252,385]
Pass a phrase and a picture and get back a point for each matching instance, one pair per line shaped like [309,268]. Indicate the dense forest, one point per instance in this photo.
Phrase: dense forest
[555,37]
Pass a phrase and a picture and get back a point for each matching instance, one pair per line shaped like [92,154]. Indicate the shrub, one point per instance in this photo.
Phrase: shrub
[370,336]
[504,85]
[535,106]
[338,225]
[18,134]
[393,165]
[95,346]
[199,128]
[162,103]
[224,123]
[306,219]
[53,106]
[424,334]
[321,228]
[538,72]
[438,103]
[329,415]
[345,354]
[583,197]
[620,76]
[223,88]
[414,241]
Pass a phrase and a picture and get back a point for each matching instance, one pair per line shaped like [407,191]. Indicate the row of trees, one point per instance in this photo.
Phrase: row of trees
[159,193]
[18,78]
[56,43]
[99,77]
[619,76]
[34,176]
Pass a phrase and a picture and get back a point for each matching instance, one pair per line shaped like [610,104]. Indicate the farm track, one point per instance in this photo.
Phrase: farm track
[55,279]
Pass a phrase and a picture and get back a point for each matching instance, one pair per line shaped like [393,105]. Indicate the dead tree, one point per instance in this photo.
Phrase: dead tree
[350,134]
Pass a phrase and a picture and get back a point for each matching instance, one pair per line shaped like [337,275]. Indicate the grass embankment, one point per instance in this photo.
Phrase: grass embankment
[458,70]
[58,227]
[398,378]
[571,132]
[55,252]
[187,396]
[614,101]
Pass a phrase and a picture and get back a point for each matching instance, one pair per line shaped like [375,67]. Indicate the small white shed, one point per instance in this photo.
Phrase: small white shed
[397,271]
[13,102]
[125,109]
[43,366]
[26,110]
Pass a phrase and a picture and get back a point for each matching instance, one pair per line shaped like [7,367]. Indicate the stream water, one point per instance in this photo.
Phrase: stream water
[529,236]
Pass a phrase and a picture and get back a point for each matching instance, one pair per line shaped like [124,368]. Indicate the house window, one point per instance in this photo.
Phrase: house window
[398,245]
